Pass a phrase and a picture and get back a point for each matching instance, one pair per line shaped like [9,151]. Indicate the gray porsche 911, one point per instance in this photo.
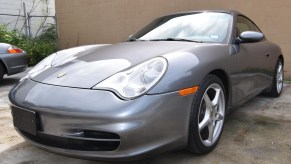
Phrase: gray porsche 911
[170,85]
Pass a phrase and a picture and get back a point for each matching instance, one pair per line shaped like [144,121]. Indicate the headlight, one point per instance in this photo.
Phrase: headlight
[40,67]
[135,81]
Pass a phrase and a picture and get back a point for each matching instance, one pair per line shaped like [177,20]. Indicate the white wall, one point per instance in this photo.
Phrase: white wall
[14,6]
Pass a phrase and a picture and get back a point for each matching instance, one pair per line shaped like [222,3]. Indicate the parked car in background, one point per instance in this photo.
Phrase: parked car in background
[170,85]
[13,60]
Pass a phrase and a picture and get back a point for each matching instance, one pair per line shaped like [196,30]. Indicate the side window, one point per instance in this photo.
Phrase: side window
[243,24]
[256,28]
[242,27]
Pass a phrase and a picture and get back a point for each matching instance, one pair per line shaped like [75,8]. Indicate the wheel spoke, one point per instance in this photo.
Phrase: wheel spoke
[216,97]
[281,77]
[279,69]
[207,101]
[211,128]
[206,120]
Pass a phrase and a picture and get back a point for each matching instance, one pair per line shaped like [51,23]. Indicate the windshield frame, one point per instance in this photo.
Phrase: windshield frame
[226,40]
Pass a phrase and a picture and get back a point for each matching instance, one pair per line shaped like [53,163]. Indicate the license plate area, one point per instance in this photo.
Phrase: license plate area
[24,119]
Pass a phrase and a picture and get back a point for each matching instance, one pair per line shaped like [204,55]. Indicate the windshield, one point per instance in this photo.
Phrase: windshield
[199,27]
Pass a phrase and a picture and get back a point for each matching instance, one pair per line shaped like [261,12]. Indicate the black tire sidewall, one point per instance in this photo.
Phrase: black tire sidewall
[195,144]
[1,71]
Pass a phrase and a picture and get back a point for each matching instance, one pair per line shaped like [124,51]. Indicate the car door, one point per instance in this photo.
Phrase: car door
[251,56]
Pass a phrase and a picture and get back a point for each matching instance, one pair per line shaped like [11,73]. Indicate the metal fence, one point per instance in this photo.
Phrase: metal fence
[32,26]
[13,22]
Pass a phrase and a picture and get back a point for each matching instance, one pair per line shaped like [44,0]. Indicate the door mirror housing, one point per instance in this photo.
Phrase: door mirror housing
[250,36]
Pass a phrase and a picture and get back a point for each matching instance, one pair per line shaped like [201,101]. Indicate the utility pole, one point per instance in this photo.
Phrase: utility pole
[57,31]
[26,22]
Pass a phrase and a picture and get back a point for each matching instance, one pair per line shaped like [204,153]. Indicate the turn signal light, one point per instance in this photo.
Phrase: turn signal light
[188,91]
[14,50]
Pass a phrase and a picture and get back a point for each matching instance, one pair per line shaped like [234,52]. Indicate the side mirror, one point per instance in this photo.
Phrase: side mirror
[250,36]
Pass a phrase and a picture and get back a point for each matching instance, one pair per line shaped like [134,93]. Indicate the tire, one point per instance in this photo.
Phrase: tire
[200,141]
[278,78]
[2,71]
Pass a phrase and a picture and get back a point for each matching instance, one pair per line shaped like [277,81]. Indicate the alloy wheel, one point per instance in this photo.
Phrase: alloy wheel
[279,77]
[211,114]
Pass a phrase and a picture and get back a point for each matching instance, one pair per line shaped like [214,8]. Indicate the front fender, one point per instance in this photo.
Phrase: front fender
[181,66]
[188,68]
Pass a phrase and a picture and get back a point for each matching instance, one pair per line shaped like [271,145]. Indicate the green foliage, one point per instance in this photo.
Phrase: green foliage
[37,48]
[49,33]
[12,37]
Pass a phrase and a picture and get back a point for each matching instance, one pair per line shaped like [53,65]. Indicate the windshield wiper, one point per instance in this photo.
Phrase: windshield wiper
[134,39]
[177,39]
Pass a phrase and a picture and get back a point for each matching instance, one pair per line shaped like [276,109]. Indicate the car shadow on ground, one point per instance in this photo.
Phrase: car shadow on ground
[8,82]
[27,153]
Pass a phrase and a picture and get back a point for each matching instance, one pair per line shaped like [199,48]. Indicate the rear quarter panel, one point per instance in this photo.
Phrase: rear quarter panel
[275,51]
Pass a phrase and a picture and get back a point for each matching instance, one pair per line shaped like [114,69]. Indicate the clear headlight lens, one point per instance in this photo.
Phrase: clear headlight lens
[136,81]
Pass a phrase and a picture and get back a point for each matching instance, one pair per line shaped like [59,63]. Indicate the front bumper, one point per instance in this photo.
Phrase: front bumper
[147,125]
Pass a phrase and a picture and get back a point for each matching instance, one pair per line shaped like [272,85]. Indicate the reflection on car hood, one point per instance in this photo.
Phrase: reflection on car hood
[86,68]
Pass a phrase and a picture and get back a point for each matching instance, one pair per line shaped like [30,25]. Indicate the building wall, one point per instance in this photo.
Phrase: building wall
[111,21]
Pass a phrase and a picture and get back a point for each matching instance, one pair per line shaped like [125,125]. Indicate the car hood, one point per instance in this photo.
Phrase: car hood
[86,68]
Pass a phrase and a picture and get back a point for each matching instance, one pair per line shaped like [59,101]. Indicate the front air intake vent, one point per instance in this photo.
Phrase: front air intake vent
[90,141]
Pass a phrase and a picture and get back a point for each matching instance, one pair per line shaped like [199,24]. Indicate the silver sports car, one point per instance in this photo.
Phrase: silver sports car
[12,60]
[170,85]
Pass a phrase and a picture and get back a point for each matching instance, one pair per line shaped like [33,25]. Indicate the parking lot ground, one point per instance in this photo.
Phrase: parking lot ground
[258,132]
